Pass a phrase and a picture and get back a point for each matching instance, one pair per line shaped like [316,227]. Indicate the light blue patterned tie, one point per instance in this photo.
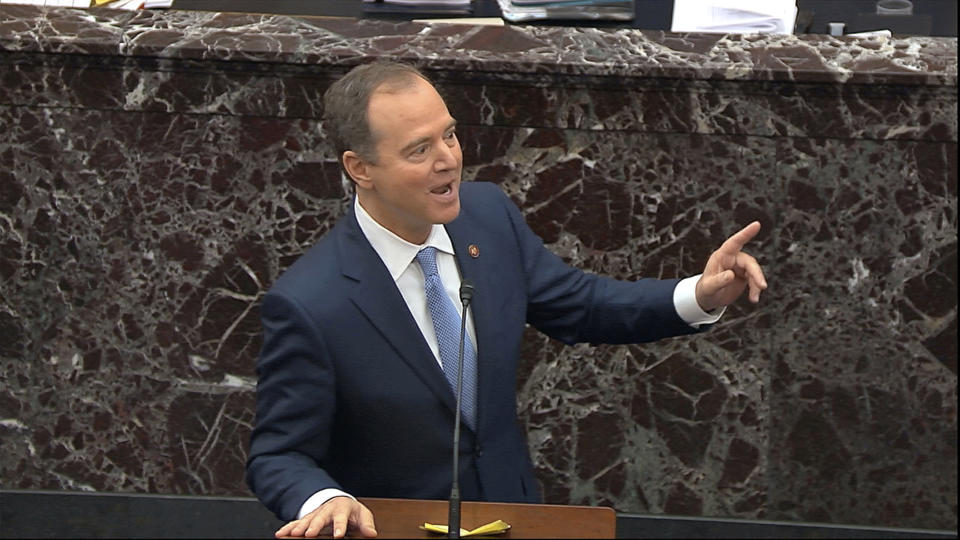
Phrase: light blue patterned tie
[446,324]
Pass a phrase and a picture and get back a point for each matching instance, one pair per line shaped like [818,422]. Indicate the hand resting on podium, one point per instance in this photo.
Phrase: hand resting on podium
[339,514]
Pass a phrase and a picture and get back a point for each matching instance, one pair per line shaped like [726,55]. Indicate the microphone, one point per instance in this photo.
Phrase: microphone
[453,518]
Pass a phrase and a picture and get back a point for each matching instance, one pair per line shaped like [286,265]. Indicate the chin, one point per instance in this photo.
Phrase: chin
[449,215]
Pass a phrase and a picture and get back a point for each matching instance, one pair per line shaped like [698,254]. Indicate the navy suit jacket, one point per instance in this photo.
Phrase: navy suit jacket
[350,396]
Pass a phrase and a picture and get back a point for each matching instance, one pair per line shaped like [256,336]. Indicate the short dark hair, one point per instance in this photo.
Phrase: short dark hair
[345,105]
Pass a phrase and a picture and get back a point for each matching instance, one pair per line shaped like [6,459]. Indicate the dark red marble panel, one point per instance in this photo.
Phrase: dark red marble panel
[858,394]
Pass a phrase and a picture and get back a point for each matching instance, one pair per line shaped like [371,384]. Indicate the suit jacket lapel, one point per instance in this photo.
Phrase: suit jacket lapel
[376,295]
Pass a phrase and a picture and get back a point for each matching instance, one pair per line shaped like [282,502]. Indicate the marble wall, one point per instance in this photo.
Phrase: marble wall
[160,169]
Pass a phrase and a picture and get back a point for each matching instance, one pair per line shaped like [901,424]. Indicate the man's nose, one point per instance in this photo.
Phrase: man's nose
[446,156]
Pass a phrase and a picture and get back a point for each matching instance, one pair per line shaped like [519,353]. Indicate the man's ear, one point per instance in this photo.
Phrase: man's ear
[356,167]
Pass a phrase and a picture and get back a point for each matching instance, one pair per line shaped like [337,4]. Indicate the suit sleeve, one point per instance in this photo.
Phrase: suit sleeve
[574,306]
[295,408]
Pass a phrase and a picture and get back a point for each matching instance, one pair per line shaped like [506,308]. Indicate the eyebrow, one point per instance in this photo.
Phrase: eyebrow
[415,143]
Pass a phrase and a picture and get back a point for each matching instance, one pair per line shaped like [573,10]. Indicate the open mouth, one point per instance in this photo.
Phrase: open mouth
[445,189]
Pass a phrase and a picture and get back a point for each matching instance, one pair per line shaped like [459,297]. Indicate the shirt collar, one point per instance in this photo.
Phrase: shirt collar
[395,252]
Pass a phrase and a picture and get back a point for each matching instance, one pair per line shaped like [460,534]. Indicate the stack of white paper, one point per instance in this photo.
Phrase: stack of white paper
[529,10]
[735,16]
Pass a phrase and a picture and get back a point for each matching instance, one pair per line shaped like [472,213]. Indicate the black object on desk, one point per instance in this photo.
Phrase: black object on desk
[913,25]
[929,18]
[415,11]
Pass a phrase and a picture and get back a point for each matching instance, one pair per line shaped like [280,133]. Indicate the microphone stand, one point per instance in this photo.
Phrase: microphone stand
[453,518]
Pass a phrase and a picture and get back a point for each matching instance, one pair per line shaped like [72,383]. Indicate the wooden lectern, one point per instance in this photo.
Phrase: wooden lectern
[401,518]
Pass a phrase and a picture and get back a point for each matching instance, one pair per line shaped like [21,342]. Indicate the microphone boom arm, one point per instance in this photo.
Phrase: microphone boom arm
[453,517]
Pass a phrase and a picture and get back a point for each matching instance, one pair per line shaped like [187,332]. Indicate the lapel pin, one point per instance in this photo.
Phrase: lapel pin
[473,250]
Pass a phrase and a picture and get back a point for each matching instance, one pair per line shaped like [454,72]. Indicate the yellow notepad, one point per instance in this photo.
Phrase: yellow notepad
[496,527]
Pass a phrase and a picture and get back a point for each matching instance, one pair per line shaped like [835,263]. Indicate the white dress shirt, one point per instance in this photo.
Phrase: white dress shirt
[399,256]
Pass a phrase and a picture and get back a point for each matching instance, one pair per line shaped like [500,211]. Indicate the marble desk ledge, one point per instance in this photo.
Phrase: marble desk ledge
[560,51]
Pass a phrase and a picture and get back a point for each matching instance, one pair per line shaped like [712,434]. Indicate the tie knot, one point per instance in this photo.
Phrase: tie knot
[427,257]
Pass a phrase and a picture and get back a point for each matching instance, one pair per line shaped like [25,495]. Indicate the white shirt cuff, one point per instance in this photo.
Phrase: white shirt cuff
[685,302]
[318,498]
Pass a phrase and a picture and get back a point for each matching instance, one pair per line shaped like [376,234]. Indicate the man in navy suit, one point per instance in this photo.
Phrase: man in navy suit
[352,397]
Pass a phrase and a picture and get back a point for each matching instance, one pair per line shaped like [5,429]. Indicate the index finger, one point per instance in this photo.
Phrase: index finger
[285,530]
[736,242]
